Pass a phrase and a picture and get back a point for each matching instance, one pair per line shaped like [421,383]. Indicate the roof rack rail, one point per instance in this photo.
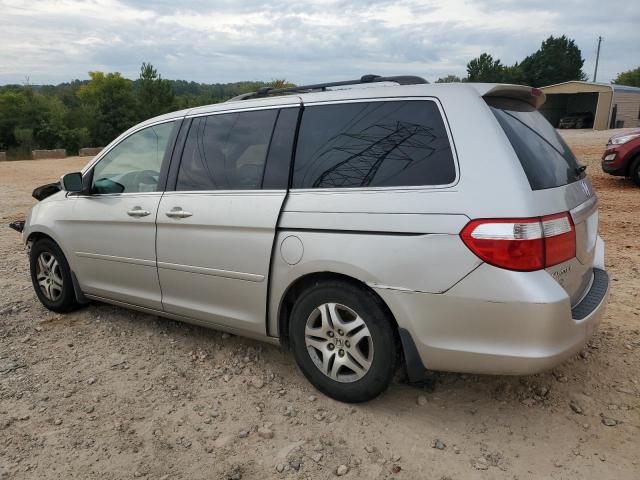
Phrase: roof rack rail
[400,80]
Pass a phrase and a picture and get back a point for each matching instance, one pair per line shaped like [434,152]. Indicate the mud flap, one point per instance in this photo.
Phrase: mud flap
[80,298]
[415,369]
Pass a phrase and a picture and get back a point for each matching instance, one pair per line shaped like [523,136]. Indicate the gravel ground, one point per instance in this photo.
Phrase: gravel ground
[109,393]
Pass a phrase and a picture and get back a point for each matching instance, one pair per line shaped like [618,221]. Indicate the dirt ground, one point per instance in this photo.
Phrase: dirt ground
[109,393]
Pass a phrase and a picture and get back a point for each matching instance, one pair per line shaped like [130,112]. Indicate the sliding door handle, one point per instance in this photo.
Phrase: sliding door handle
[138,212]
[178,212]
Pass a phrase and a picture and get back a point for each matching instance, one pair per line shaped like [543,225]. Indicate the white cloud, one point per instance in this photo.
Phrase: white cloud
[54,41]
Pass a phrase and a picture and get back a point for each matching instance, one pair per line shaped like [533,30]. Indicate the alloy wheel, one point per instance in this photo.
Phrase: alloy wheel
[339,342]
[49,276]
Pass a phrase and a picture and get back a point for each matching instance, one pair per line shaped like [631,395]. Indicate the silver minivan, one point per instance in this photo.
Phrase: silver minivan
[364,225]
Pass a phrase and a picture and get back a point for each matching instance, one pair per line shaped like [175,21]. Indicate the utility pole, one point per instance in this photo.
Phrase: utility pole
[595,72]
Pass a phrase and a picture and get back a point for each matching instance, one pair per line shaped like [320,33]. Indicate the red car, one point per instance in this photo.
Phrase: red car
[622,156]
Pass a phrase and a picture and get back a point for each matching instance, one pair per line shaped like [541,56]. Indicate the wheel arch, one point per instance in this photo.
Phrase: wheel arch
[405,346]
[38,231]
[302,283]
[36,235]
[633,158]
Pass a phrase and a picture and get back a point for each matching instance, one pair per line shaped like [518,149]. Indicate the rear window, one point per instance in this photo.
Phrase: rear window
[373,144]
[546,159]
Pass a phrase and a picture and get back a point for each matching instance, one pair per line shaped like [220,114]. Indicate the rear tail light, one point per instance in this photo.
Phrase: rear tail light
[522,244]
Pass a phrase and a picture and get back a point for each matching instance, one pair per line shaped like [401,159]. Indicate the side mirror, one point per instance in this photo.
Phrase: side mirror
[72,182]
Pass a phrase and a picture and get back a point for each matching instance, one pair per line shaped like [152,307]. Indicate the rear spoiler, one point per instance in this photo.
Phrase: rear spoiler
[533,96]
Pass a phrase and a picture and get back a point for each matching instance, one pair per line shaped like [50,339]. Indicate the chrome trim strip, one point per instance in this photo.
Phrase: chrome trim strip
[185,192]
[123,194]
[112,258]
[245,109]
[249,277]
[173,193]
[583,211]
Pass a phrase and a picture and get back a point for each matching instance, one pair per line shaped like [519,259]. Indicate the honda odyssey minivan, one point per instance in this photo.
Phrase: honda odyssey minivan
[441,227]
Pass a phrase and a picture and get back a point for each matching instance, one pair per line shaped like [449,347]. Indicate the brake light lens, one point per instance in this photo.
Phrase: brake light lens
[559,238]
[522,244]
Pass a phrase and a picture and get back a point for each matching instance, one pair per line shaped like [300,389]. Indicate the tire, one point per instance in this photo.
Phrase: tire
[363,359]
[634,171]
[51,277]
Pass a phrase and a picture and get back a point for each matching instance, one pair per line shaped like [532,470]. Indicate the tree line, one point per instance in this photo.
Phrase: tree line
[93,112]
[557,60]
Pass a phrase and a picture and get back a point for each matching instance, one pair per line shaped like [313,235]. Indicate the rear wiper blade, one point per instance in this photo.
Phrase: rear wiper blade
[579,169]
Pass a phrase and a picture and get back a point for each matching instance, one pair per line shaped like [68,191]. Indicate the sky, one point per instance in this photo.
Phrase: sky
[53,41]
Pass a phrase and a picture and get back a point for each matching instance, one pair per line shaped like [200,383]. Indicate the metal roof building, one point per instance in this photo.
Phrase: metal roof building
[613,106]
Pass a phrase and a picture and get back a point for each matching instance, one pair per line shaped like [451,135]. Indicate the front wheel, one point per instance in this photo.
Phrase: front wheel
[51,276]
[343,341]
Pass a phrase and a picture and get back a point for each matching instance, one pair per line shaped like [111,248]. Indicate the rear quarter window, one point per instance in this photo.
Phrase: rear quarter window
[546,159]
[373,144]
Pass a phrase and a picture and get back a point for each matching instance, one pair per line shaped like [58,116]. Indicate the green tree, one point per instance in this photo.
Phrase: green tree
[24,140]
[85,113]
[280,83]
[485,69]
[558,60]
[514,74]
[450,79]
[109,105]
[52,127]
[630,78]
[29,119]
[12,104]
[154,94]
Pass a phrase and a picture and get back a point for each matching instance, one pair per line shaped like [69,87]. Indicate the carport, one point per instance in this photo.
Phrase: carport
[612,106]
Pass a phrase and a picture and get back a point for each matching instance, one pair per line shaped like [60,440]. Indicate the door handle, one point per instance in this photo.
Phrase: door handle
[178,212]
[138,212]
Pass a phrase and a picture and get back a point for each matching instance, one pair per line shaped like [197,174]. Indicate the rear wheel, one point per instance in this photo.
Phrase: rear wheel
[343,341]
[51,276]
[634,171]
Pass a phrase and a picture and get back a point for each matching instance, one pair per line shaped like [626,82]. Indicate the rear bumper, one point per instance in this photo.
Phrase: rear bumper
[458,331]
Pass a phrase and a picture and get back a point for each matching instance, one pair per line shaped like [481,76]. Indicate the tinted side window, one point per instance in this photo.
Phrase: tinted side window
[276,175]
[373,144]
[226,151]
[134,164]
